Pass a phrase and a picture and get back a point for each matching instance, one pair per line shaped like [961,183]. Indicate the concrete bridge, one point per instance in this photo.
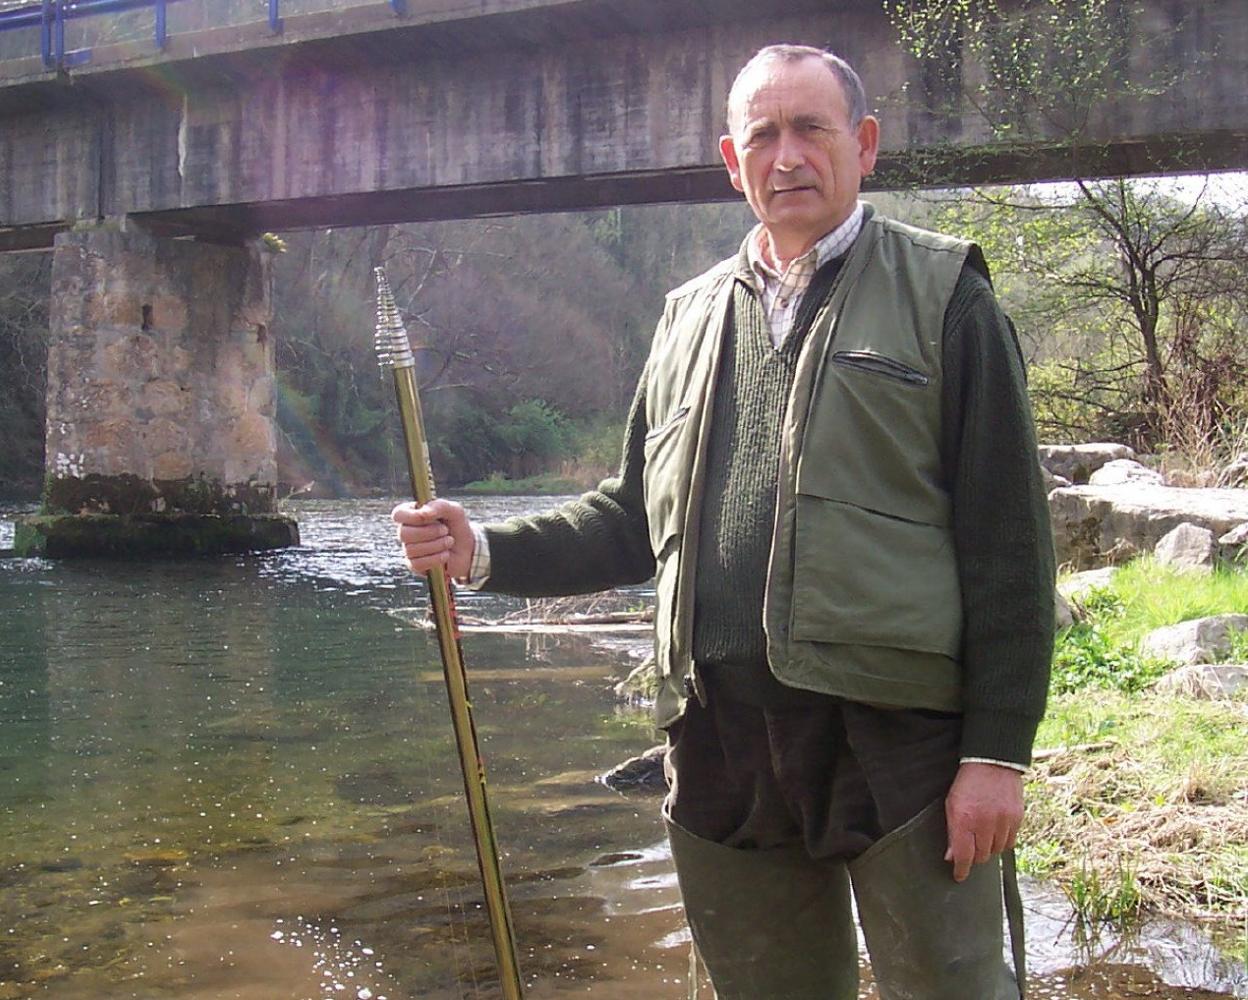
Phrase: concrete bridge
[436,109]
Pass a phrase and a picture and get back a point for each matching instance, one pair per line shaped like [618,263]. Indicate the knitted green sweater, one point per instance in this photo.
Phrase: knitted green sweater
[1001,527]
[753,386]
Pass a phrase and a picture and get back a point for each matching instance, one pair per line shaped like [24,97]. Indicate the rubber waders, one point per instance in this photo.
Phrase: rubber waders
[931,938]
[769,925]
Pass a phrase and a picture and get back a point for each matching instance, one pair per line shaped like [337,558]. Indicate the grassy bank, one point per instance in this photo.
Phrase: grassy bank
[1144,805]
[546,484]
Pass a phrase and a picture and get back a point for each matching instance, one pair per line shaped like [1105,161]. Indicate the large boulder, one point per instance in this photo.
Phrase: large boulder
[1102,525]
[1076,462]
[1052,482]
[1200,640]
[1077,586]
[1233,546]
[1124,470]
[1188,547]
[1213,681]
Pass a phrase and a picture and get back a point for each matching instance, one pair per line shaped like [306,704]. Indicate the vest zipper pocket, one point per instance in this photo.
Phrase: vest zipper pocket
[671,421]
[880,364]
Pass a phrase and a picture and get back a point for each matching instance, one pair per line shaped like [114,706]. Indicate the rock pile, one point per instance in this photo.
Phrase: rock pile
[1108,508]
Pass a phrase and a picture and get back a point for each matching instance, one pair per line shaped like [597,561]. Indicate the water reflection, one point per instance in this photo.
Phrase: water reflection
[234,778]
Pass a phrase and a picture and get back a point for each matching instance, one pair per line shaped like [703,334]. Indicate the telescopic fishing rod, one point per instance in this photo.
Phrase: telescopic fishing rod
[394,352]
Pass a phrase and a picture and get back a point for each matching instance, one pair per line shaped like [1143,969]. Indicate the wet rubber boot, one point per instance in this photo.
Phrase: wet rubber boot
[929,937]
[769,925]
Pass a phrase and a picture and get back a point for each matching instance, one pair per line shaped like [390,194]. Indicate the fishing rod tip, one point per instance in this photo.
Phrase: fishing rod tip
[390,338]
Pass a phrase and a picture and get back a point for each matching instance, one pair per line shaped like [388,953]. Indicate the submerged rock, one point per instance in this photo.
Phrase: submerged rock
[639,774]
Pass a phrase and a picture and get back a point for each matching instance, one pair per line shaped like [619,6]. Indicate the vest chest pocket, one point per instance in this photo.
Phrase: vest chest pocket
[871,438]
[665,477]
[881,364]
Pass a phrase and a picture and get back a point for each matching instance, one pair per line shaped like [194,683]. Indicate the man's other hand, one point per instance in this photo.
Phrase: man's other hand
[984,809]
[437,534]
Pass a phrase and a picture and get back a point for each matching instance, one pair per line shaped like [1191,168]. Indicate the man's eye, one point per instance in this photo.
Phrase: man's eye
[755,139]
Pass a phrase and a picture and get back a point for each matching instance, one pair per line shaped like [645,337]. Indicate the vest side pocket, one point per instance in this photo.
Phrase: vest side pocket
[665,481]
[664,478]
[865,578]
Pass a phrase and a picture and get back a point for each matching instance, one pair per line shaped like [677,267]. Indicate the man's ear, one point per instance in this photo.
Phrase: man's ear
[728,150]
[868,144]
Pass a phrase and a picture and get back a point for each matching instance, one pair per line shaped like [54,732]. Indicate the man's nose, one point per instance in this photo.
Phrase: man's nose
[789,152]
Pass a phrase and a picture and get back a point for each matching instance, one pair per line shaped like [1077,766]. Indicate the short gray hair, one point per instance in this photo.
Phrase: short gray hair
[851,84]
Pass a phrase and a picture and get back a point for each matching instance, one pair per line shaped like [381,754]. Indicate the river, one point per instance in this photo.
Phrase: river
[234,778]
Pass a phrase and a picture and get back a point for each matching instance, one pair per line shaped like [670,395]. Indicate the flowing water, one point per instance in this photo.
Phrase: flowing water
[234,778]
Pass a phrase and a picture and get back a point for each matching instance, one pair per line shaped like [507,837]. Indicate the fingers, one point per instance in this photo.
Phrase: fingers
[961,852]
[434,510]
[983,811]
[432,541]
[434,534]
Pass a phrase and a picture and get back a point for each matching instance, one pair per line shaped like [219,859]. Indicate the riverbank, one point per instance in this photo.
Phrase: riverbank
[1138,801]
[543,484]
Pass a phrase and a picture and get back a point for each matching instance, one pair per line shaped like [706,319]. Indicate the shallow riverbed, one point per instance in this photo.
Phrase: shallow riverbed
[233,778]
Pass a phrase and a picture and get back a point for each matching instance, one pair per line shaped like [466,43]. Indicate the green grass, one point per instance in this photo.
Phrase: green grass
[1146,806]
[1175,743]
[1161,799]
[1154,595]
[1101,651]
[546,484]
[1100,900]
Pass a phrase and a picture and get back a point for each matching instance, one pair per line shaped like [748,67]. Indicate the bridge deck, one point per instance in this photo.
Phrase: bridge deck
[463,108]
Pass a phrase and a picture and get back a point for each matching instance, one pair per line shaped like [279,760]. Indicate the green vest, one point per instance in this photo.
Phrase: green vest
[862,597]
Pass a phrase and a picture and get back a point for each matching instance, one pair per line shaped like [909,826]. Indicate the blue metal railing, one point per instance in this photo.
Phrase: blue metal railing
[50,17]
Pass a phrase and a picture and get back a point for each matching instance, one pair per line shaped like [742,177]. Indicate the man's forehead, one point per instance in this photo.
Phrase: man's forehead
[770,88]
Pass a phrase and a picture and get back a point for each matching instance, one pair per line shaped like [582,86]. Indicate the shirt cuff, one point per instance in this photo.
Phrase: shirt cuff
[479,569]
[1012,765]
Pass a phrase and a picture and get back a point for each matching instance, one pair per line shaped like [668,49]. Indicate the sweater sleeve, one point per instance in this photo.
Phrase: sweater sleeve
[597,541]
[1002,530]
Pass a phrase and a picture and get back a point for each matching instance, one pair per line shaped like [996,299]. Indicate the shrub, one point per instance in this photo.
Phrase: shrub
[1088,655]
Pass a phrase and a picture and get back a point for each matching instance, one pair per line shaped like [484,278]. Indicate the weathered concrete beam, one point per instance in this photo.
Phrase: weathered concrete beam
[500,106]
[160,398]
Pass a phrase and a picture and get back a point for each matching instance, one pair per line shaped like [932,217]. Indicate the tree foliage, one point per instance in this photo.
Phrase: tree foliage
[1133,295]
[1039,71]
[1129,300]
[24,282]
[529,334]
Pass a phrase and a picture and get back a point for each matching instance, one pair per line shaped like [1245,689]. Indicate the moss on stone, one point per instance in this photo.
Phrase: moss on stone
[130,494]
[150,536]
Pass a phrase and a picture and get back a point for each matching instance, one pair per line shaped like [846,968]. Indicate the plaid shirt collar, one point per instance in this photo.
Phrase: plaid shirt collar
[781,293]
[832,245]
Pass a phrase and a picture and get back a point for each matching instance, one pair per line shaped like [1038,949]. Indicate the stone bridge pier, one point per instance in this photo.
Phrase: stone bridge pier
[161,436]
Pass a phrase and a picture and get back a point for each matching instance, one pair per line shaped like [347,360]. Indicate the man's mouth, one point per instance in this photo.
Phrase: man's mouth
[792,190]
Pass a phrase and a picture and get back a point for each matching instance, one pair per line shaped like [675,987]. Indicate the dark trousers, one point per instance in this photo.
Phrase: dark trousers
[777,810]
[828,774]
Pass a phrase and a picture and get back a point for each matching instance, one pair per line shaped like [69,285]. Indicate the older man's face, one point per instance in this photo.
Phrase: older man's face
[793,153]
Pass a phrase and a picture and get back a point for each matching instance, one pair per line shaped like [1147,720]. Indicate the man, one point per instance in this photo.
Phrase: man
[830,471]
